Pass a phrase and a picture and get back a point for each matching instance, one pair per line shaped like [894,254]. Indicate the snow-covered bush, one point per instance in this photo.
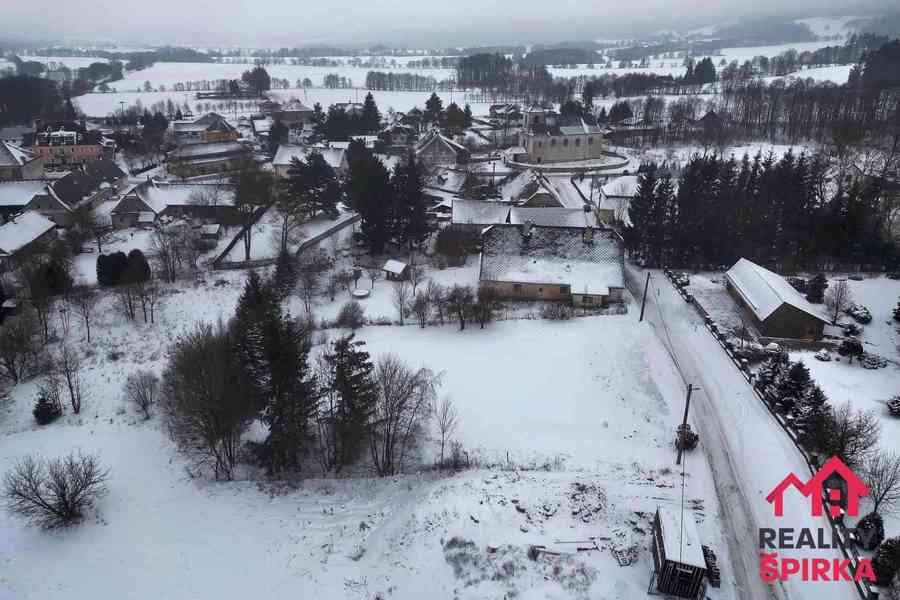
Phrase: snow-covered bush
[886,562]
[871,528]
[45,410]
[860,313]
[351,315]
[56,491]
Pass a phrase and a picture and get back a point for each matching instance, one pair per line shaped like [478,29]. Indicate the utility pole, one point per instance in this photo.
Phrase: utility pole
[687,407]
[644,301]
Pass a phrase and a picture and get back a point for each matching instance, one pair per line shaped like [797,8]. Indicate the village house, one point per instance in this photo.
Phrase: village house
[26,232]
[553,217]
[208,129]
[478,214]
[582,266]
[294,113]
[774,307]
[148,202]
[545,139]
[398,135]
[18,164]
[88,186]
[65,147]
[395,270]
[336,157]
[615,199]
[436,150]
[192,160]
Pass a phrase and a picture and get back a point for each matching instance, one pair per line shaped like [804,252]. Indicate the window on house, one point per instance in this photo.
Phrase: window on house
[577,141]
[517,287]
[563,289]
[587,299]
[565,142]
[590,141]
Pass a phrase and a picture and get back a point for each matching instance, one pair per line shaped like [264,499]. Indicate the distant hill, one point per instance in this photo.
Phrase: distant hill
[560,56]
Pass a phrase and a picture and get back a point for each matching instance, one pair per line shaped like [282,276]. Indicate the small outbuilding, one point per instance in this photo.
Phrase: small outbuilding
[775,307]
[679,567]
[395,270]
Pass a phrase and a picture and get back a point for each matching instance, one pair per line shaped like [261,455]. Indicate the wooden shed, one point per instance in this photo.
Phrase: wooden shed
[395,270]
[678,562]
[776,308]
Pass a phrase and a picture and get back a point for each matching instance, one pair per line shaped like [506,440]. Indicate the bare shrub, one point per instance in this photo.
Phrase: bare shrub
[142,390]
[404,398]
[202,404]
[18,350]
[351,315]
[84,300]
[852,435]
[69,364]
[421,307]
[838,299]
[54,492]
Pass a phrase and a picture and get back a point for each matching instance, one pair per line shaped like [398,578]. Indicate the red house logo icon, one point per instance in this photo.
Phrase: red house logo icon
[814,489]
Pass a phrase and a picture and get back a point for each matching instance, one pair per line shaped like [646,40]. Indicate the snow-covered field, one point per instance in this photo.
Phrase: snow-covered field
[834,73]
[168,74]
[603,420]
[101,105]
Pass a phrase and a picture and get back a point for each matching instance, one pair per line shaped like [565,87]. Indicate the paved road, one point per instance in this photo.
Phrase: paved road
[747,450]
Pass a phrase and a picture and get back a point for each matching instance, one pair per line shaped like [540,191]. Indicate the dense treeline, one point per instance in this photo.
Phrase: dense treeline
[497,74]
[410,82]
[24,98]
[783,211]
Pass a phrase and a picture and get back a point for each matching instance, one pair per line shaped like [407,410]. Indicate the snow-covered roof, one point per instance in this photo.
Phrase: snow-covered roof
[681,541]
[22,230]
[479,212]
[261,125]
[765,291]
[295,106]
[210,229]
[622,187]
[450,180]
[20,193]
[394,266]
[159,196]
[14,156]
[555,217]
[555,256]
[286,152]
[435,137]
[190,151]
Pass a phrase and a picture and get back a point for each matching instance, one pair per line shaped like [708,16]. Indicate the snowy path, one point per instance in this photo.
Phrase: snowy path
[748,452]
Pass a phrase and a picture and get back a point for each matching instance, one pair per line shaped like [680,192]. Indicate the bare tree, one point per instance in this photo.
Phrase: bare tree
[312,263]
[69,364]
[459,302]
[54,492]
[486,304]
[202,405]
[838,299]
[153,295]
[421,307]
[164,244]
[18,350]
[400,297]
[882,474]
[84,299]
[852,435]
[374,273]
[437,296]
[404,398]
[142,390]
[447,420]
[416,275]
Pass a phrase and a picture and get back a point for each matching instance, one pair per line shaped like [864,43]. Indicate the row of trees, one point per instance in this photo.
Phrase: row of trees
[335,410]
[773,211]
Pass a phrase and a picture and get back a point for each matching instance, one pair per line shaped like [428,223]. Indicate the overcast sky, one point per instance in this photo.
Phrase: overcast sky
[428,23]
